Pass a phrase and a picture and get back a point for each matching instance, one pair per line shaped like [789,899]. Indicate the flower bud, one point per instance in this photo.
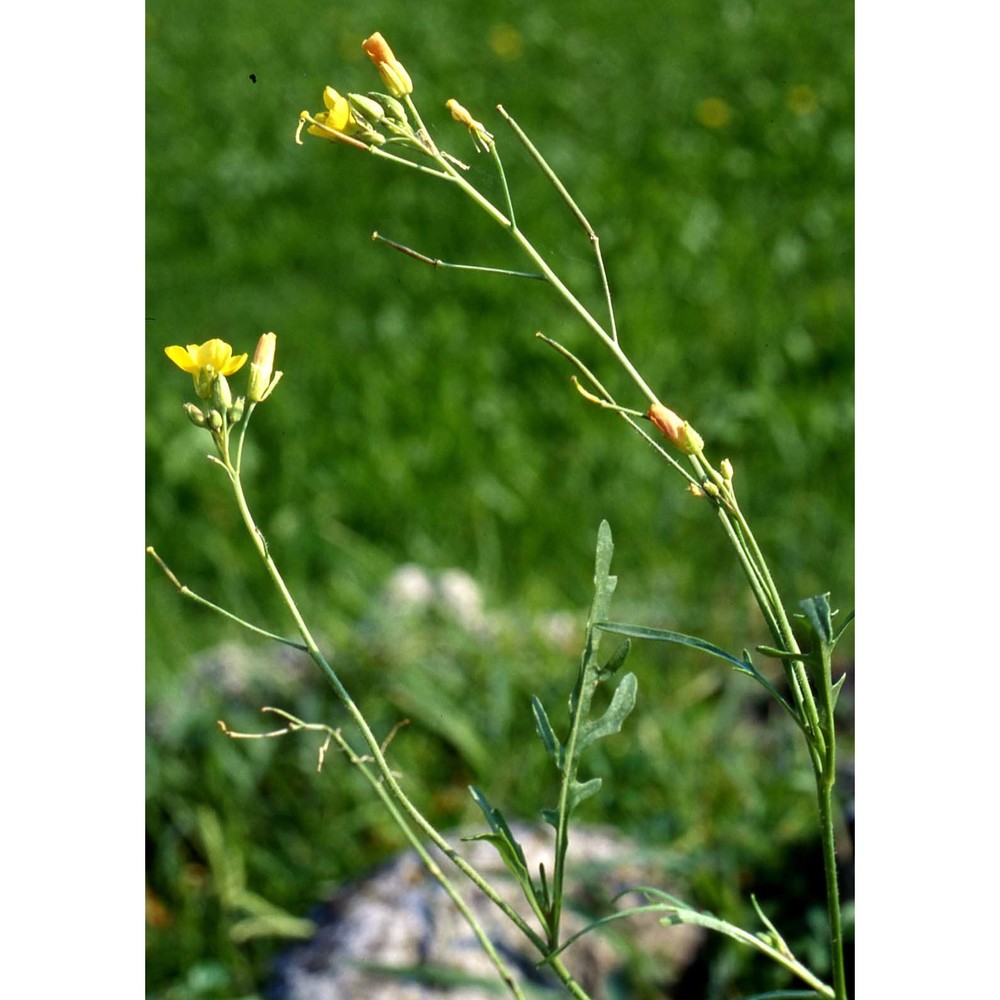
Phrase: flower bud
[394,111]
[261,368]
[727,470]
[676,430]
[222,395]
[365,109]
[214,420]
[394,76]
[236,410]
[710,488]
[194,414]
[204,381]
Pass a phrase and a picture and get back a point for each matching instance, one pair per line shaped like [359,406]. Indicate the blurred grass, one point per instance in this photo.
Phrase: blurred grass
[421,421]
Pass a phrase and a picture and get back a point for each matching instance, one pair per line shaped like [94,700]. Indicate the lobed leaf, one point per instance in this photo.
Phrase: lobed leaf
[579,791]
[622,703]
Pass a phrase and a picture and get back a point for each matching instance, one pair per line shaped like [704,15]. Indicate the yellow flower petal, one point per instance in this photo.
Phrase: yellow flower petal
[181,356]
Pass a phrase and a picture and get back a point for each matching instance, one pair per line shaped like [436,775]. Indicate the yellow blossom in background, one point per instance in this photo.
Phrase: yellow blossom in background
[394,76]
[206,362]
[506,41]
[713,112]
[801,99]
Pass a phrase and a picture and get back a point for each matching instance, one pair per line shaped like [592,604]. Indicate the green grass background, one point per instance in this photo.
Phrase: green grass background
[421,421]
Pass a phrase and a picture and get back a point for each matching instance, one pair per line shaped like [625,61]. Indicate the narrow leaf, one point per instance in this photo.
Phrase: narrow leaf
[544,729]
[783,654]
[622,703]
[664,635]
[843,628]
[617,658]
[544,883]
[835,690]
[502,831]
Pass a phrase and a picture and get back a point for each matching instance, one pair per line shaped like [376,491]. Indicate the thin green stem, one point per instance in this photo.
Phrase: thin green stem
[826,777]
[198,599]
[527,247]
[388,777]
[824,790]
[442,264]
[574,208]
[594,381]
[495,153]
[432,866]
[360,721]
[247,413]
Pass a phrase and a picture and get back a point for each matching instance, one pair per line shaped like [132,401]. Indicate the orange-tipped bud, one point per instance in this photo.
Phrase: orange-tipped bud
[676,430]
[394,76]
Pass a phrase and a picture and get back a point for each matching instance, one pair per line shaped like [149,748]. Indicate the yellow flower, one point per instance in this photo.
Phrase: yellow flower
[206,362]
[344,120]
[394,76]
[337,115]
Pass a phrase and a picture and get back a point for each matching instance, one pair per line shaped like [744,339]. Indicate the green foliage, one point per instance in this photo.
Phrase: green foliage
[421,421]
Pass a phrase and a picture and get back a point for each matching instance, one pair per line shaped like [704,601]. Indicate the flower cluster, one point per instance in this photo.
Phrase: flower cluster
[209,364]
[369,121]
[356,118]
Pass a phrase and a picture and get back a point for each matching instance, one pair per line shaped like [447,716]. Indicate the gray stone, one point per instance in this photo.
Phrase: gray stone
[396,935]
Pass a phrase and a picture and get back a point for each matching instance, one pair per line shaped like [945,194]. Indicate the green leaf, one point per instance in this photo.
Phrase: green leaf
[680,913]
[617,658]
[604,584]
[665,635]
[817,610]
[835,690]
[783,654]
[622,703]
[843,628]
[579,791]
[544,729]
[502,838]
